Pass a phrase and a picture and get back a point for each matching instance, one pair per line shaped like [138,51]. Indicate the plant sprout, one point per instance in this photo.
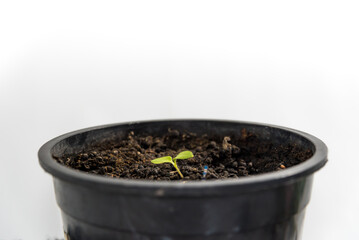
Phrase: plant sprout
[168,159]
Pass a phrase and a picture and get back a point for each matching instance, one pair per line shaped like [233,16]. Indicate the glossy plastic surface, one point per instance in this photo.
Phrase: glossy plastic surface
[265,207]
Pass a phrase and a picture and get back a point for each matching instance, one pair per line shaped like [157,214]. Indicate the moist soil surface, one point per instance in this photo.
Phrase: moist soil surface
[226,157]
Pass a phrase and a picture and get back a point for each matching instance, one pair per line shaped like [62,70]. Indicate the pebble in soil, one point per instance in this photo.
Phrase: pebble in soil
[226,157]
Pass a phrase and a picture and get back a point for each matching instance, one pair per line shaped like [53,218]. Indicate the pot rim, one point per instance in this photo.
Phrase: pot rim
[311,165]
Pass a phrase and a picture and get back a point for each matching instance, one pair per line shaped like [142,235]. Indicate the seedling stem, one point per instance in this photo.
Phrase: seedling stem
[168,159]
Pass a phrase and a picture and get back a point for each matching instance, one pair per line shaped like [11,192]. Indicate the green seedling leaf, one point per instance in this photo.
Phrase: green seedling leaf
[168,159]
[184,155]
[160,160]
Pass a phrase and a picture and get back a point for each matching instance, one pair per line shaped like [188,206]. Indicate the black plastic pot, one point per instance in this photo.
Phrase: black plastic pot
[270,206]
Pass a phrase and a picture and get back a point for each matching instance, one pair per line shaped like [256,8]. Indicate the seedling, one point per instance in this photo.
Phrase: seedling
[173,161]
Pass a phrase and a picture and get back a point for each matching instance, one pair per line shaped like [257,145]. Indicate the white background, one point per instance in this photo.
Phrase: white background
[66,65]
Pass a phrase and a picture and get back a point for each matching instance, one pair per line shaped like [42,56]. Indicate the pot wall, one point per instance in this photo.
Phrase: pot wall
[275,213]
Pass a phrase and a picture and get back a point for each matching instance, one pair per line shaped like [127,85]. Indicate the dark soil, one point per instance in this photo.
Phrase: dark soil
[226,157]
